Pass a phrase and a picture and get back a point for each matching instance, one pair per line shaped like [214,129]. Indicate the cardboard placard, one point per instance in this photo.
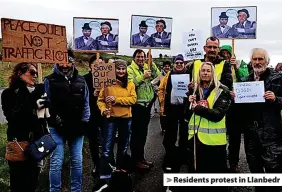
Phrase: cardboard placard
[104,74]
[26,41]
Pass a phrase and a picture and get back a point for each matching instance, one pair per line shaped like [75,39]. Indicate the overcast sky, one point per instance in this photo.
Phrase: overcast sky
[186,15]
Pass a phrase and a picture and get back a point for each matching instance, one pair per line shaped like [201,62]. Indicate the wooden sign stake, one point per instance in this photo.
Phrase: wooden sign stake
[39,70]
[233,47]
[149,59]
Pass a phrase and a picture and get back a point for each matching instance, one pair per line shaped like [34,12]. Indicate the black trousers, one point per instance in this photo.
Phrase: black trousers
[95,140]
[209,159]
[163,122]
[234,143]
[23,176]
[262,159]
[141,116]
[176,126]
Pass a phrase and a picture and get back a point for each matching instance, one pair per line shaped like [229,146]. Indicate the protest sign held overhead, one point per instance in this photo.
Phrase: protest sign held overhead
[104,74]
[27,41]
[249,92]
[95,35]
[150,32]
[234,22]
[193,45]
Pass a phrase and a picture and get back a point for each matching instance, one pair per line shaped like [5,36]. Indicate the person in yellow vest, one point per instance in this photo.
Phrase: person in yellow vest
[234,127]
[209,102]
[172,105]
[222,67]
[122,96]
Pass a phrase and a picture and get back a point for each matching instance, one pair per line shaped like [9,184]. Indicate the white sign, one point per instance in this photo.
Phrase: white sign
[193,45]
[249,92]
[180,84]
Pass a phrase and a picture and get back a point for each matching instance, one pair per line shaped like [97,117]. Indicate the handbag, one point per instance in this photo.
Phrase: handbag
[40,148]
[15,150]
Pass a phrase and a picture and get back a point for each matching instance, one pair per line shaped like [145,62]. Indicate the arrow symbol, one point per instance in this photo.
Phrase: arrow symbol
[168,180]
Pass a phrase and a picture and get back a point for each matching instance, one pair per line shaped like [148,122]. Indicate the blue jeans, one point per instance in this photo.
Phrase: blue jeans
[57,159]
[111,125]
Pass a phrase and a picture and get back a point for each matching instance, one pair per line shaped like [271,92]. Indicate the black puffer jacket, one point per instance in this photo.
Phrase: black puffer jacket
[219,109]
[265,118]
[19,107]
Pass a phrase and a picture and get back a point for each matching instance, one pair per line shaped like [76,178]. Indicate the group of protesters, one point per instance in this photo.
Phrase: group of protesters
[201,121]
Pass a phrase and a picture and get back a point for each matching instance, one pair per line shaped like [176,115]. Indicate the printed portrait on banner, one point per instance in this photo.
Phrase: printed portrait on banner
[234,22]
[95,34]
[150,32]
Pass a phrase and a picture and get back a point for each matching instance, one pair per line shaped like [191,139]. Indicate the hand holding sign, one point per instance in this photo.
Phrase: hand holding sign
[107,112]
[147,74]
[269,95]
[203,103]
[110,99]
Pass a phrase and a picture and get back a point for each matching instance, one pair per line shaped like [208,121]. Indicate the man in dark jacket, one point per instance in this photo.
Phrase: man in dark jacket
[69,109]
[223,68]
[95,121]
[263,138]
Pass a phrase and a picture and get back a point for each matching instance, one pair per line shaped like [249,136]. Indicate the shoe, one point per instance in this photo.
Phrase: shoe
[149,163]
[101,186]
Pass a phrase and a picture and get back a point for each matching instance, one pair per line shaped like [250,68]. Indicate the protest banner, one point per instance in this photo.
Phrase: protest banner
[249,92]
[104,74]
[150,32]
[193,45]
[234,22]
[180,84]
[95,35]
[27,41]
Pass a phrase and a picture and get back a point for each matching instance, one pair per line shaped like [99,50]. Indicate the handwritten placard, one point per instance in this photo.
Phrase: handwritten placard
[26,41]
[193,45]
[249,92]
[180,84]
[104,74]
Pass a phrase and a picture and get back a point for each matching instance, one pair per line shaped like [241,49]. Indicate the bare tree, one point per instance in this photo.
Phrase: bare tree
[70,43]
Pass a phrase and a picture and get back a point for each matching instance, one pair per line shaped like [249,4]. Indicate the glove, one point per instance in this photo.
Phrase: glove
[59,121]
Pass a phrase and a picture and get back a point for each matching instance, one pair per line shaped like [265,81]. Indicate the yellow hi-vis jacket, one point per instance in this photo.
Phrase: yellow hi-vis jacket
[209,133]
[197,65]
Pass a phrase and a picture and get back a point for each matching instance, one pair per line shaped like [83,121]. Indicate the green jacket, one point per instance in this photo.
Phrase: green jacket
[144,88]
[242,71]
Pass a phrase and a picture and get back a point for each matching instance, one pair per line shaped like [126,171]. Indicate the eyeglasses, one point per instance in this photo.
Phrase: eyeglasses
[180,63]
[210,47]
[33,73]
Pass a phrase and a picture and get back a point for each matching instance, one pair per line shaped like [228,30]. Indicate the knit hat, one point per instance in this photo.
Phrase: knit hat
[120,62]
[227,48]
[178,57]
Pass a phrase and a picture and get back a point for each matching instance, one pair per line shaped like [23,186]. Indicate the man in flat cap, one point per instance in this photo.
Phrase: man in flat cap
[244,29]
[85,42]
[161,38]
[221,30]
[141,38]
[107,41]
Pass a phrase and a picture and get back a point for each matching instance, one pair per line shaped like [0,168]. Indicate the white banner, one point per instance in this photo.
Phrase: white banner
[193,45]
[222,179]
[249,92]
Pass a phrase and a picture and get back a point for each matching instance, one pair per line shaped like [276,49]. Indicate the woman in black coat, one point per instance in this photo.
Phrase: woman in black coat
[19,107]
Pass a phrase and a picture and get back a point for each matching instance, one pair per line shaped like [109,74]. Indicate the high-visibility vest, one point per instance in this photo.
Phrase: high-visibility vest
[208,132]
[197,65]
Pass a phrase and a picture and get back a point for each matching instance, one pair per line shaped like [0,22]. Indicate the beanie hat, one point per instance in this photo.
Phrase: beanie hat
[178,57]
[120,62]
[70,56]
[227,48]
